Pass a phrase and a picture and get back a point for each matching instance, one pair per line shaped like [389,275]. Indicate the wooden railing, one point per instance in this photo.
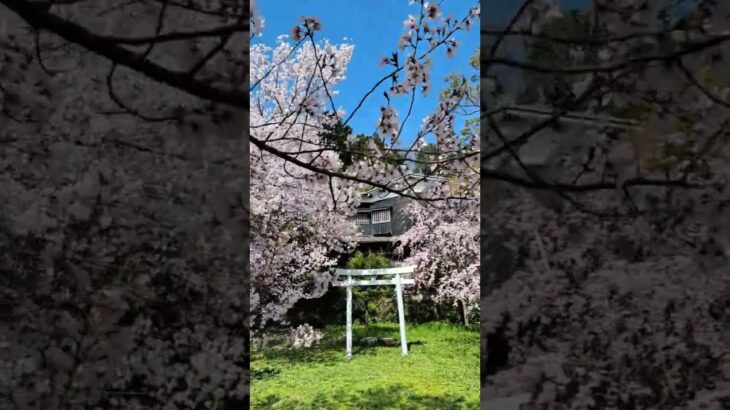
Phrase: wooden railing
[385,228]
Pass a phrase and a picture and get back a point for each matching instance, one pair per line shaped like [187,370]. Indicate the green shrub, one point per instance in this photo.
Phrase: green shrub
[371,261]
[372,304]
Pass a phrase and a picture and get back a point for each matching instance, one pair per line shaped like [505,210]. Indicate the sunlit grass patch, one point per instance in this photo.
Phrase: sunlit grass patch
[441,371]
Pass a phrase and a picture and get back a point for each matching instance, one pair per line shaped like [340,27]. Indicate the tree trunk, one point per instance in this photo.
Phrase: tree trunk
[464,313]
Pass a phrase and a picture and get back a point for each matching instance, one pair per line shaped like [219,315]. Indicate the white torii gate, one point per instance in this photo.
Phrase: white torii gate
[396,280]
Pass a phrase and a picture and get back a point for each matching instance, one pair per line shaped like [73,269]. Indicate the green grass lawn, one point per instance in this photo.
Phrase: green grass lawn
[441,371]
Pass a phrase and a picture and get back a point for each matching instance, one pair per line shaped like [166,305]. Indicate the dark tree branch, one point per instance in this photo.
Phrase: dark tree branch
[178,36]
[39,55]
[607,68]
[209,55]
[268,72]
[332,193]
[265,147]
[712,96]
[399,69]
[536,178]
[127,109]
[190,6]
[321,71]
[493,50]
[524,137]
[74,33]
[578,40]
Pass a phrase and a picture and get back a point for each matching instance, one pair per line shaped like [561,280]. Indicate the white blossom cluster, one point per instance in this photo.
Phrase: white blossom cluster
[120,245]
[256,20]
[388,122]
[297,225]
[305,336]
[445,248]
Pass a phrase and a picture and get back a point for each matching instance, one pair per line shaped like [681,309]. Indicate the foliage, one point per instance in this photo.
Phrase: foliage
[121,239]
[298,220]
[444,244]
[467,88]
[440,372]
[371,303]
[335,136]
[615,320]
[617,296]
[444,239]
[469,85]
[369,261]
[374,160]
[556,89]
[125,211]
[360,148]
[425,156]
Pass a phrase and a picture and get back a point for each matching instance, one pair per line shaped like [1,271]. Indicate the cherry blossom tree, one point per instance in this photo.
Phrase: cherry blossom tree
[617,263]
[444,245]
[444,240]
[125,206]
[426,33]
[140,299]
[299,218]
[315,162]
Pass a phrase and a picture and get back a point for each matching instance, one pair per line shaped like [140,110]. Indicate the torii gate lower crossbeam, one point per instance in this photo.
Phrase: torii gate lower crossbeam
[397,281]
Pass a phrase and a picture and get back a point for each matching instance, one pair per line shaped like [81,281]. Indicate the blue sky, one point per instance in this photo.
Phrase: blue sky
[374,27]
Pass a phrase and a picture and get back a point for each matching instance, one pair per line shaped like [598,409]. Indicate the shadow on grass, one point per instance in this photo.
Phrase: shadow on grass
[332,348]
[326,353]
[392,397]
[371,350]
[376,330]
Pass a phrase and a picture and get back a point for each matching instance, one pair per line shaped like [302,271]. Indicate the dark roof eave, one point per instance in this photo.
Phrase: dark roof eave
[376,239]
